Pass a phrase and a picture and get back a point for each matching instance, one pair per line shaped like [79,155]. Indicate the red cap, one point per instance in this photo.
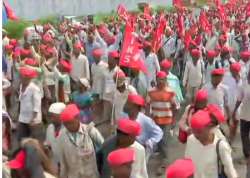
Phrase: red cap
[236,67]
[245,55]
[200,120]
[69,113]
[181,168]
[25,52]
[111,40]
[120,74]
[223,38]
[9,47]
[201,95]
[28,72]
[97,53]
[219,71]
[121,156]
[49,50]
[67,66]
[166,64]
[18,162]
[114,54]
[78,46]
[211,53]
[136,99]
[226,49]
[161,75]
[216,112]
[16,53]
[30,61]
[129,127]
[195,53]
[47,38]
[13,42]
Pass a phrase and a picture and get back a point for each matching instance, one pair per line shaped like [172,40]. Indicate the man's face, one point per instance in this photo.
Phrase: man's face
[201,104]
[90,38]
[55,119]
[201,134]
[216,79]
[112,62]
[76,51]
[72,126]
[161,83]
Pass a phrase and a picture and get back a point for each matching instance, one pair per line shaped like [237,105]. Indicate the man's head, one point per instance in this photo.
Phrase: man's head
[120,162]
[83,84]
[113,59]
[235,70]
[55,110]
[201,125]
[201,99]
[77,48]
[161,79]
[27,74]
[70,118]
[225,52]
[91,37]
[245,56]
[97,54]
[127,131]
[133,105]
[196,54]
[166,65]
[120,78]
[211,54]
[181,168]
[217,76]
[147,47]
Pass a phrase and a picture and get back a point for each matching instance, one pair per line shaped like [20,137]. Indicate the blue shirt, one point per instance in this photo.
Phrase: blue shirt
[174,84]
[150,131]
[89,49]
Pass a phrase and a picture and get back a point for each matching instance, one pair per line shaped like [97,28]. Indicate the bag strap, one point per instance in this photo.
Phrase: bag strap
[219,163]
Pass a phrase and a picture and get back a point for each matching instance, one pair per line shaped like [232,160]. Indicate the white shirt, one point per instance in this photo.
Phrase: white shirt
[53,142]
[244,96]
[245,68]
[169,46]
[205,158]
[80,67]
[139,168]
[30,102]
[49,76]
[218,95]
[153,67]
[193,74]
[233,87]
[109,84]
[97,71]
[121,98]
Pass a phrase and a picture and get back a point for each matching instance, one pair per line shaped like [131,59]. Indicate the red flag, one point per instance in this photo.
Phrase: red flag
[180,25]
[205,25]
[157,35]
[122,11]
[10,13]
[177,3]
[187,39]
[147,13]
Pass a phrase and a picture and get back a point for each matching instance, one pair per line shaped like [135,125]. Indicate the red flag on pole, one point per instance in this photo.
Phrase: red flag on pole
[205,25]
[147,12]
[158,34]
[180,25]
[177,3]
[122,12]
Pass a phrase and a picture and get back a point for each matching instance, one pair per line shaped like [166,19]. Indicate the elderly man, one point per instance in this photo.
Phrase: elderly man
[76,143]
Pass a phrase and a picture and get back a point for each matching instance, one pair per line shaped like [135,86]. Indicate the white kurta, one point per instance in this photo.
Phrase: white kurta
[139,167]
[245,68]
[153,67]
[169,46]
[218,95]
[30,102]
[206,165]
[208,69]
[121,98]
[109,84]
[80,67]
[193,74]
[244,96]
[97,71]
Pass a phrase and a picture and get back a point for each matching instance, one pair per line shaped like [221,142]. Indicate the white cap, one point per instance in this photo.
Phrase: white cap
[57,108]
[85,82]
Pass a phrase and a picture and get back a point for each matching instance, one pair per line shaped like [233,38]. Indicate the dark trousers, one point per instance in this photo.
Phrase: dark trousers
[245,137]
[25,130]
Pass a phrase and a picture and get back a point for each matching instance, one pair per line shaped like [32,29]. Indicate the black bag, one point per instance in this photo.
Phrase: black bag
[221,173]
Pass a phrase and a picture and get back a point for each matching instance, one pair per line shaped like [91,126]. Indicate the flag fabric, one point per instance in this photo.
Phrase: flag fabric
[177,3]
[9,12]
[158,34]
[146,14]
[204,23]
[180,25]
[122,12]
